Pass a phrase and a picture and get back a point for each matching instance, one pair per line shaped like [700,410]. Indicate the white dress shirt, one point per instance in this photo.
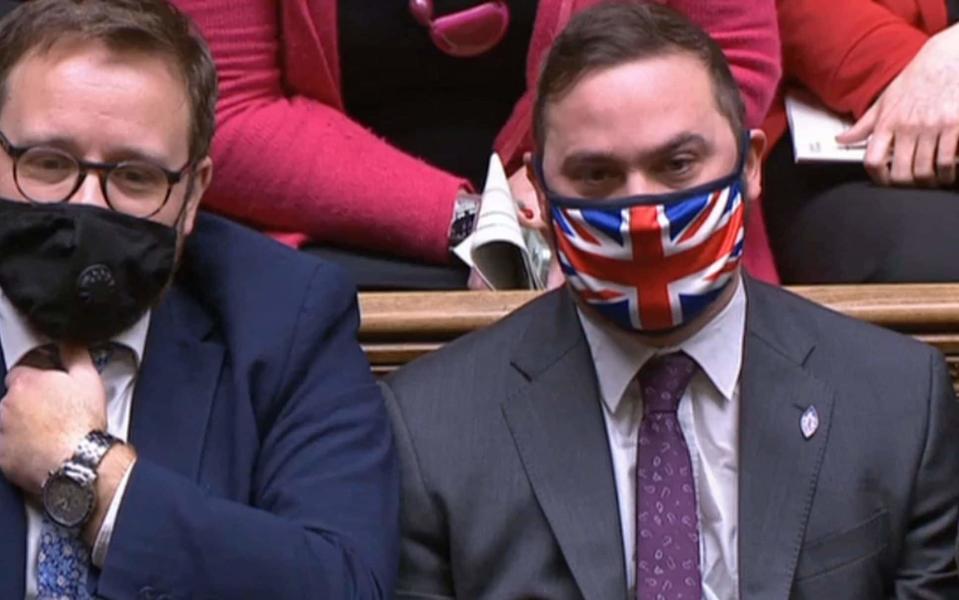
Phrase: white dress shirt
[18,339]
[709,417]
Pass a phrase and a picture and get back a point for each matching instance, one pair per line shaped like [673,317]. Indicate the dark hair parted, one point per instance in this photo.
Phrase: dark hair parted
[616,33]
[149,26]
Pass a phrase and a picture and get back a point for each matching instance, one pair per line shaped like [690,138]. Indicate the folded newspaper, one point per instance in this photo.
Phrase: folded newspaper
[814,129]
[505,254]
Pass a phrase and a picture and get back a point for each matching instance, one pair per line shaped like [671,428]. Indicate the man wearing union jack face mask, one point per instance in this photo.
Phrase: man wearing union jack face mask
[664,426]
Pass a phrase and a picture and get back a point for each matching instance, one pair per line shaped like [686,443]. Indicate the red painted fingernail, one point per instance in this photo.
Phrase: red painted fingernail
[528,213]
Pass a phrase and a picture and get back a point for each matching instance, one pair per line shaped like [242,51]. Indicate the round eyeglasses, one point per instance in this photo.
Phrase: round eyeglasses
[47,175]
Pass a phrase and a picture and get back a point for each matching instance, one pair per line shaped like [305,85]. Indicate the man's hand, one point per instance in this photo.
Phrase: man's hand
[914,125]
[45,415]
[527,208]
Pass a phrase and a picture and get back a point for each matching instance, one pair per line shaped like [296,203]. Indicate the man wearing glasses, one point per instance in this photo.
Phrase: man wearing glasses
[185,410]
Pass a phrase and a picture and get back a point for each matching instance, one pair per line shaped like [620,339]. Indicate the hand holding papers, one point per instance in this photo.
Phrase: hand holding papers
[506,255]
[814,129]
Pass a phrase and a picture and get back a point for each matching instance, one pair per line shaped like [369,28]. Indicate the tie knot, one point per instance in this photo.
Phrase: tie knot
[663,379]
[101,354]
[48,356]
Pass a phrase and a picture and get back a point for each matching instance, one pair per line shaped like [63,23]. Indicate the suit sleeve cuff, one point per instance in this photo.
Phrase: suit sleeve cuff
[102,543]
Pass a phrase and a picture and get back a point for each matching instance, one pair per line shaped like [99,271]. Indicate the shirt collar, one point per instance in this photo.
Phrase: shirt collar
[717,348]
[18,338]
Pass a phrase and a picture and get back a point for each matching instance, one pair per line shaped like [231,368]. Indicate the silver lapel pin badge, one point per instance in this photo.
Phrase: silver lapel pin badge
[809,422]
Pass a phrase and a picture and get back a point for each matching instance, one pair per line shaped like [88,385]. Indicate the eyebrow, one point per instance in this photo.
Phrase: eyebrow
[675,143]
[114,154]
[678,142]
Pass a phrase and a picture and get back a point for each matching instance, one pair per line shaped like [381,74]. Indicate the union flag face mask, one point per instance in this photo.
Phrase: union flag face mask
[651,262]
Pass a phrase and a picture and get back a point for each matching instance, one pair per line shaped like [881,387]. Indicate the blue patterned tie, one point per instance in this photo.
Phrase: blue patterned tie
[667,522]
[62,565]
[63,562]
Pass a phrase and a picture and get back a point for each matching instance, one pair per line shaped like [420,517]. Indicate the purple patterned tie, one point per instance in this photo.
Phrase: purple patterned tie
[667,524]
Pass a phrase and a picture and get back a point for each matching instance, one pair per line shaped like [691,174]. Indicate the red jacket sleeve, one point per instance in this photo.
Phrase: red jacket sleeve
[287,162]
[845,51]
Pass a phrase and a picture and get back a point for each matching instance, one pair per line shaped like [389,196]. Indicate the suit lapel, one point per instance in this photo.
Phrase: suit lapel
[556,421]
[778,467]
[176,385]
[171,406]
[13,525]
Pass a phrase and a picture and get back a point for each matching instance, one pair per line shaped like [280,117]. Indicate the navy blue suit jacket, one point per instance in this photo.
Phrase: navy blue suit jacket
[7,6]
[266,467]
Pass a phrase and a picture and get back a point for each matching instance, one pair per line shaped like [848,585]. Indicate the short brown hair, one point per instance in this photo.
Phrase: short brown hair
[615,33]
[152,26]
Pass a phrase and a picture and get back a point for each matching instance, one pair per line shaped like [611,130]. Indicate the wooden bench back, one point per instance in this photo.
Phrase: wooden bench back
[400,326]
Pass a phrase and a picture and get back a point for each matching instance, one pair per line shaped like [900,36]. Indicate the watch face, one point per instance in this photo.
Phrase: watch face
[67,502]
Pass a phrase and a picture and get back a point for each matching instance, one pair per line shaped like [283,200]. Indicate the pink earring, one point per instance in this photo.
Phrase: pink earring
[467,33]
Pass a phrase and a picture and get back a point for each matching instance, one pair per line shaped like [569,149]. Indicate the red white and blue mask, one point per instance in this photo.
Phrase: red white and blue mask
[651,262]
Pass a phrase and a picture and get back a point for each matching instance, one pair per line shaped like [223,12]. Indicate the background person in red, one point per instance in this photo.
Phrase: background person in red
[344,122]
[894,66]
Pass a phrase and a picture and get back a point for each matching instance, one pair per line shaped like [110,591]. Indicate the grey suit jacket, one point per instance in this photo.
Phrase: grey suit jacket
[508,485]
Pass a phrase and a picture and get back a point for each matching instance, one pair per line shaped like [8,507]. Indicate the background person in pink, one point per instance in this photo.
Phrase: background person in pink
[345,123]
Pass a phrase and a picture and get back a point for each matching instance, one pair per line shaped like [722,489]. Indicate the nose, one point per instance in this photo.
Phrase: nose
[639,183]
[90,191]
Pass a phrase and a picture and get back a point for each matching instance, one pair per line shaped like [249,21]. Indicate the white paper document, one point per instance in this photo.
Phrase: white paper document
[814,129]
[505,254]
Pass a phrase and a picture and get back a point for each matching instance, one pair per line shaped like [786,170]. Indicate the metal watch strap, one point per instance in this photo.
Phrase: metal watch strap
[68,493]
[465,211]
[91,450]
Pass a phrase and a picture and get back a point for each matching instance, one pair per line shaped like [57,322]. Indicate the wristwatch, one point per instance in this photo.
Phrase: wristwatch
[464,217]
[69,496]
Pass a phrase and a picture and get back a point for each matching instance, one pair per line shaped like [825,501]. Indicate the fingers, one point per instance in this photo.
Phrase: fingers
[876,161]
[527,217]
[77,362]
[946,156]
[477,282]
[521,188]
[530,218]
[16,375]
[924,162]
[903,158]
[862,128]
[927,159]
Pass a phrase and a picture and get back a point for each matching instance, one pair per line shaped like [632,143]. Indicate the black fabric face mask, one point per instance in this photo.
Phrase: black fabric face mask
[82,274]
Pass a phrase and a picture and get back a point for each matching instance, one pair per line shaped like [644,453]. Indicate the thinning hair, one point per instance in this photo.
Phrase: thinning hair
[153,27]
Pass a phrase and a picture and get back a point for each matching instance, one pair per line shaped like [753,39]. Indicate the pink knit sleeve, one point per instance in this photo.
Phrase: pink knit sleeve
[290,163]
[747,32]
